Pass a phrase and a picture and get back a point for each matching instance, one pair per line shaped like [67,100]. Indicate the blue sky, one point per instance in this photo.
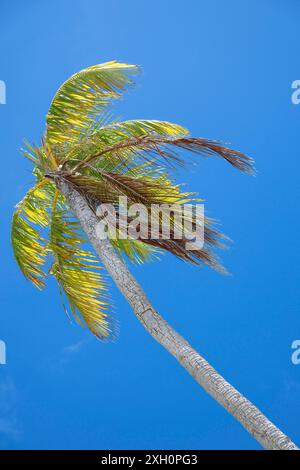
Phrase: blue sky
[224,70]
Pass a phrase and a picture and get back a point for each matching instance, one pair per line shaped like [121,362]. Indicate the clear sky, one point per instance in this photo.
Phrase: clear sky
[224,70]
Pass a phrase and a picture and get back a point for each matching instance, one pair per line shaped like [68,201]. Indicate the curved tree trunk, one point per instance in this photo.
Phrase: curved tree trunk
[263,430]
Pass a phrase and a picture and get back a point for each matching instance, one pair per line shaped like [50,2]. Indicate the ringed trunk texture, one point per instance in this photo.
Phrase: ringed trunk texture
[250,417]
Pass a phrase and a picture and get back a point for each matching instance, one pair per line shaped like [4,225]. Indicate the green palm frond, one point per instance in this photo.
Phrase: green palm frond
[28,244]
[75,268]
[135,250]
[77,272]
[139,127]
[32,153]
[78,102]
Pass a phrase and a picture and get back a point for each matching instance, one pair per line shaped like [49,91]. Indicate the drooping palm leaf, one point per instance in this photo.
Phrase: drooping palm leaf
[27,241]
[77,272]
[163,149]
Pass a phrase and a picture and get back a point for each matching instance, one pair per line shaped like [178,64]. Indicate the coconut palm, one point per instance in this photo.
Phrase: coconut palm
[86,159]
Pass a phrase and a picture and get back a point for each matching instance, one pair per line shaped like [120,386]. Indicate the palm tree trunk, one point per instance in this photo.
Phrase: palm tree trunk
[263,430]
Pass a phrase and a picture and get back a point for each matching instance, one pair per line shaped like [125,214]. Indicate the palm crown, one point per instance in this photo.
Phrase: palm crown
[102,160]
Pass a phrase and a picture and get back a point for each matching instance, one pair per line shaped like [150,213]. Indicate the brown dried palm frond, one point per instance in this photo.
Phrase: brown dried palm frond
[178,247]
[163,148]
[106,187]
[149,194]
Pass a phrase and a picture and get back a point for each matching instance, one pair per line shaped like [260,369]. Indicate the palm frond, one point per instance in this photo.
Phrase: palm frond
[177,247]
[135,250]
[28,244]
[149,192]
[77,272]
[83,96]
[163,150]
[104,136]
[141,127]
[144,188]
[35,154]
[204,256]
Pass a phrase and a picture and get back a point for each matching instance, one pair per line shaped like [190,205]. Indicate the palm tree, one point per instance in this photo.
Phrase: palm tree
[86,159]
